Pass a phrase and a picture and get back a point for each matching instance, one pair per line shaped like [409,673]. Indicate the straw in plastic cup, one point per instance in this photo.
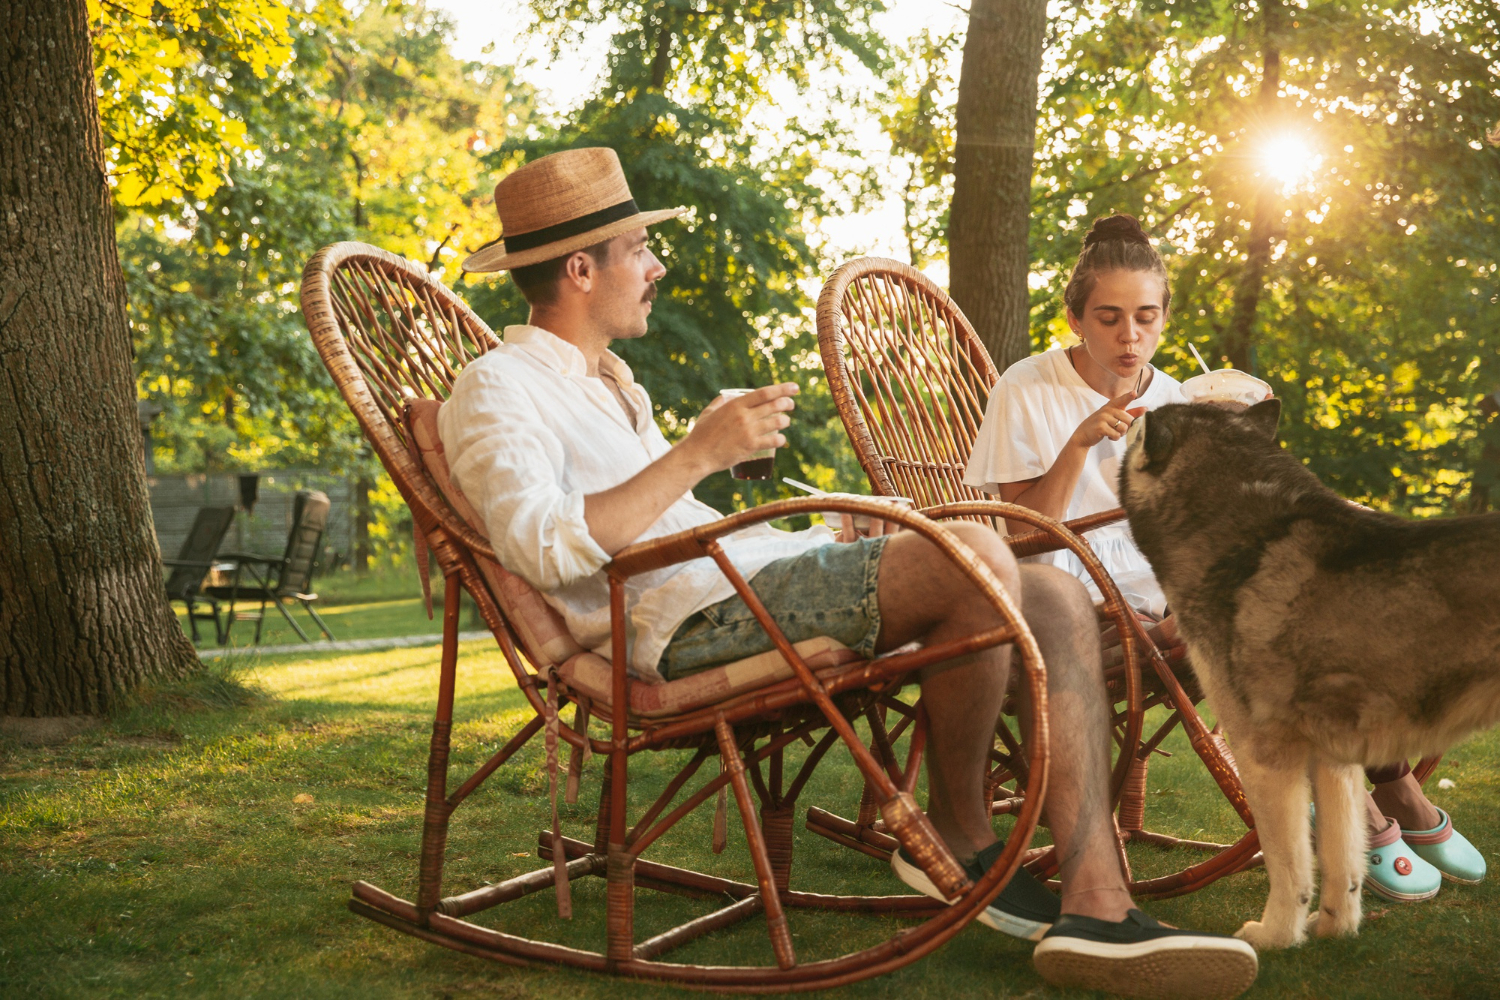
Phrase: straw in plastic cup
[1227,386]
[758,465]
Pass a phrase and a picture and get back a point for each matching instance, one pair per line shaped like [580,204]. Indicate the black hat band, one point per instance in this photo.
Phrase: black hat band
[573,227]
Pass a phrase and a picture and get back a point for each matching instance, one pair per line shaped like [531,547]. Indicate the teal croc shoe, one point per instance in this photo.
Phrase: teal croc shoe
[1448,851]
[1396,871]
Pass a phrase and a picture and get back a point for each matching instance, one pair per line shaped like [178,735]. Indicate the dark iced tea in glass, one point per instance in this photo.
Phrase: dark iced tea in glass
[757,466]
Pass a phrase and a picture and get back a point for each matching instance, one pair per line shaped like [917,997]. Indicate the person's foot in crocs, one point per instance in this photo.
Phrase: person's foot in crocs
[1427,830]
[1397,872]
[1447,850]
[1025,908]
[1139,956]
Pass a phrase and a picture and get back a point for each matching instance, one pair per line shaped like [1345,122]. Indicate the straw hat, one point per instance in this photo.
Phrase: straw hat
[559,204]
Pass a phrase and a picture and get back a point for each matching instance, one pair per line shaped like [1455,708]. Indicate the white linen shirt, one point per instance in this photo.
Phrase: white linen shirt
[528,434]
[1032,412]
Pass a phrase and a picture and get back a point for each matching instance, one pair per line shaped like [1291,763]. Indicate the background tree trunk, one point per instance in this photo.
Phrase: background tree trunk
[996,125]
[83,616]
[1265,223]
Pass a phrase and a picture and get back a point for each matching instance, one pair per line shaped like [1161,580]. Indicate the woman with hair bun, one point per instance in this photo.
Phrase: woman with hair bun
[1053,438]
[1054,430]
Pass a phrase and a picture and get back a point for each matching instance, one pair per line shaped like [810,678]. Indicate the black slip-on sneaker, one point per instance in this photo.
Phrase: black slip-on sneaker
[1025,908]
[1139,957]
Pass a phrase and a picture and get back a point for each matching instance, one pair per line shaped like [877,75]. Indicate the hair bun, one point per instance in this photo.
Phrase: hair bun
[1120,227]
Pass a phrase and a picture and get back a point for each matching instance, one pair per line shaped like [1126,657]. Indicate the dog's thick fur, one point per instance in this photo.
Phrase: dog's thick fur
[1326,636]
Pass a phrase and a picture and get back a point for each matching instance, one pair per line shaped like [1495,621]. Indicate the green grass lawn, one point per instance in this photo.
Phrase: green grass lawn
[165,853]
[374,607]
[366,620]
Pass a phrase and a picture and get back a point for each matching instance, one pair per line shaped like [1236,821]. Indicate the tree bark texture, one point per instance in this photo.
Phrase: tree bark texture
[996,125]
[83,615]
[1265,220]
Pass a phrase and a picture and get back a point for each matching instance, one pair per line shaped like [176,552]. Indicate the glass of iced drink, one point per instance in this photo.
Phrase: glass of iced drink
[758,465]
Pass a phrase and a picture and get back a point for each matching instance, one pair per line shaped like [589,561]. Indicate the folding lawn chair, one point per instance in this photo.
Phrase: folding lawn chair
[911,380]
[194,562]
[394,338]
[275,581]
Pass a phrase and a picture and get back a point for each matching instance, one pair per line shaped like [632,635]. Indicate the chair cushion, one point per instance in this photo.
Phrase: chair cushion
[540,628]
[592,675]
[545,635]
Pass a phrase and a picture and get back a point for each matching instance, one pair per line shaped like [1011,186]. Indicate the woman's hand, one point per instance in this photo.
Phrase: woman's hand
[1111,421]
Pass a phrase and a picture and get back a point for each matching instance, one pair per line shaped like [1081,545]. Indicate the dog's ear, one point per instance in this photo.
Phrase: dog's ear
[1155,435]
[1264,416]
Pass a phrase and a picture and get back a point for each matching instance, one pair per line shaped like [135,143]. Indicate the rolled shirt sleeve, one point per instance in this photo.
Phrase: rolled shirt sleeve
[513,469]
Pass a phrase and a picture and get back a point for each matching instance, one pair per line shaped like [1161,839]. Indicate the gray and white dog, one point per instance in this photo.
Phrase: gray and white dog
[1326,636]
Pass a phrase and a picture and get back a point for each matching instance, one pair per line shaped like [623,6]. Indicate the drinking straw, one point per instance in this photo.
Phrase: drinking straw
[803,486]
[1203,364]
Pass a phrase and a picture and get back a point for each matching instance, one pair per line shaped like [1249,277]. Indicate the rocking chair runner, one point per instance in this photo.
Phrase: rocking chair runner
[911,380]
[394,339]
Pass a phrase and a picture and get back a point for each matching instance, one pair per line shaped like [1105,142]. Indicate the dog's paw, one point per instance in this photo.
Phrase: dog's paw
[1326,925]
[1265,937]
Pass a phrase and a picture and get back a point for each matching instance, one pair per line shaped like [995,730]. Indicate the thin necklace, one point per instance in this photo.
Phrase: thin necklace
[1138,379]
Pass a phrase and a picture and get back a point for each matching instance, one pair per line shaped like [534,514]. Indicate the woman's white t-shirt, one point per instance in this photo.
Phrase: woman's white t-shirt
[1032,412]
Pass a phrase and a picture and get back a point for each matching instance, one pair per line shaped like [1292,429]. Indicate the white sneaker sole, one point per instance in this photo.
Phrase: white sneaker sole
[1399,897]
[990,916]
[1171,968]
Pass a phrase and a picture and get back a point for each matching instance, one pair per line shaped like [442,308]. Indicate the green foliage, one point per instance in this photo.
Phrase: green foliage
[373,132]
[1376,317]
[677,108]
[165,69]
[917,112]
[246,134]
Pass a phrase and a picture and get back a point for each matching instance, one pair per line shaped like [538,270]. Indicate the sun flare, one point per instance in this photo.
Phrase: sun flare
[1289,158]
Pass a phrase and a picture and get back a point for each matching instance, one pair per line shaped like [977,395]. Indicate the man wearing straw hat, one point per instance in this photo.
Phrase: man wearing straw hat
[553,441]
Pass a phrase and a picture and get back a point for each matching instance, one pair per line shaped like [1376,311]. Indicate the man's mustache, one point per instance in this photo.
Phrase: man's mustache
[650,295]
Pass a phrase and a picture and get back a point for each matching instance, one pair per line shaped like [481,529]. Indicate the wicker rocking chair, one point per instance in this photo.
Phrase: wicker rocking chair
[911,380]
[394,339]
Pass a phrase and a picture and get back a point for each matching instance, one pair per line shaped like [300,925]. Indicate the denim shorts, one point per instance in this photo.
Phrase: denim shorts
[829,590]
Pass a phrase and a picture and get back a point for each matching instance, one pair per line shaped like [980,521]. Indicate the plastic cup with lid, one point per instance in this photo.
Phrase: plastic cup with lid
[1226,387]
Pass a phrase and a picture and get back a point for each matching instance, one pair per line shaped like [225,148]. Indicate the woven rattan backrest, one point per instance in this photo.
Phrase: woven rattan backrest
[909,375]
[388,331]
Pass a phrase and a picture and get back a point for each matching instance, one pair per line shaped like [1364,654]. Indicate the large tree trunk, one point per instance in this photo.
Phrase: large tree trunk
[83,616]
[996,123]
[1239,337]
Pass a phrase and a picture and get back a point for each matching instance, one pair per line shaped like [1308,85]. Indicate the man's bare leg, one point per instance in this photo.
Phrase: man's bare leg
[1061,617]
[924,596]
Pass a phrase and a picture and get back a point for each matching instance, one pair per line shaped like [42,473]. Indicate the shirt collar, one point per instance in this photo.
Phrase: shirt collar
[561,356]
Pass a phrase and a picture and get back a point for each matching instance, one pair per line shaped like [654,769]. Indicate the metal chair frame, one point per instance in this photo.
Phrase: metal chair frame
[275,580]
[195,560]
